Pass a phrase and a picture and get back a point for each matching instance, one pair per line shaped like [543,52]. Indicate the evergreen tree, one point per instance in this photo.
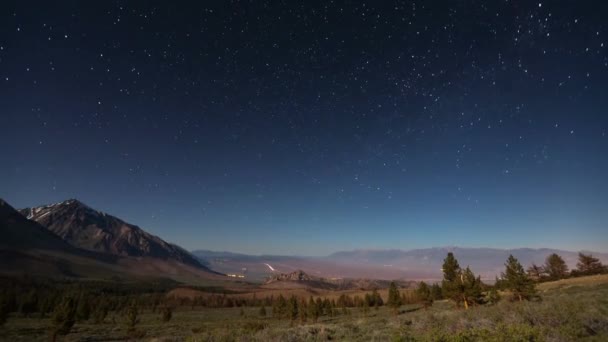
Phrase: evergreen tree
[281,307]
[365,307]
[101,311]
[535,272]
[292,308]
[83,309]
[302,311]
[166,314]
[376,299]
[471,288]
[313,310]
[556,267]
[4,309]
[588,265]
[436,292]
[394,298]
[29,303]
[451,278]
[132,316]
[517,281]
[423,292]
[64,318]
[493,295]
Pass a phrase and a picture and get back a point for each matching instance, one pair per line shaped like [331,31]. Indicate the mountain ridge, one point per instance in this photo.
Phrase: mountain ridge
[84,227]
[421,263]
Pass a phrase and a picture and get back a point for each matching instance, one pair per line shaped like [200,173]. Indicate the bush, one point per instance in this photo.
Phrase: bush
[167,313]
[64,318]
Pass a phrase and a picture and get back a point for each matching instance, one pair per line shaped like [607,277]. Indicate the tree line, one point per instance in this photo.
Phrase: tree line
[555,268]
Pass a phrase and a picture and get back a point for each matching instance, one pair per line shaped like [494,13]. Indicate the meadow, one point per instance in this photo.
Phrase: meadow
[568,310]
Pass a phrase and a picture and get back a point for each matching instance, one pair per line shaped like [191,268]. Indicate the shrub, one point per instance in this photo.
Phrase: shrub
[64,318]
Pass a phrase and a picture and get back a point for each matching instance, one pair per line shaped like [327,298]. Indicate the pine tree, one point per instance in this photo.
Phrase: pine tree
[394,298]
[281,307]
[4,309]
[302,311]
[132,316]
[313,310]
[516,280]
[451,285]
[535,272]
[436,292]
[64,318]
[83,309]
[493,295]
[101,310]
[376,299]
[588,265]
[556,267]
[292,308]
[423,292]
[471,288]
[166,314]
[29,303]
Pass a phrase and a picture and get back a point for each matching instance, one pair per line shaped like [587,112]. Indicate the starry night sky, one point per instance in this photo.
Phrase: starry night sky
[301,127]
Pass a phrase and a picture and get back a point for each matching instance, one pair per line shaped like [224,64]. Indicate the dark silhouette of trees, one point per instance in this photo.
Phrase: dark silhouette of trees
[424,294]
[4,309]
[83,309]
[535,272]
[517,281]
[493,296]
[132,316]
[101,310]
[588,265]
[279,308]
[436,293]
[166,314]
[29,303]
[313,310]
[471,288]
[302,311]
[292,308]
[556,267]
[64,318]
[459,285]
[394,298]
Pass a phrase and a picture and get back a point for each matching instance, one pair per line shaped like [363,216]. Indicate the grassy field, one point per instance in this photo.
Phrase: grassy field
[570,310]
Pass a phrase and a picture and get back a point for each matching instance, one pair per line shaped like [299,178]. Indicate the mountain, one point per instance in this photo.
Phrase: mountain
[19,233]
[487,262]
[416,264]
[28,248]
[93,230]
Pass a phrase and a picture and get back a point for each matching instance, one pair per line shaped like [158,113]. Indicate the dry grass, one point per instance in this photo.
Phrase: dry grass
[580,281]
[571,310]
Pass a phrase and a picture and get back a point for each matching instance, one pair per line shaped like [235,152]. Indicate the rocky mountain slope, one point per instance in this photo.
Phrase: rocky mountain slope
[28,248]
[90,229]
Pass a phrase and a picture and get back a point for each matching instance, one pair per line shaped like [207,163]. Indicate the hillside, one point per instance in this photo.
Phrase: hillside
[90,229]
[28,248]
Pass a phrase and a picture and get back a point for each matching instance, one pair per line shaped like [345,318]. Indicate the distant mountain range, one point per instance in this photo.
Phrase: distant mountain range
[71,239]
[419,264]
